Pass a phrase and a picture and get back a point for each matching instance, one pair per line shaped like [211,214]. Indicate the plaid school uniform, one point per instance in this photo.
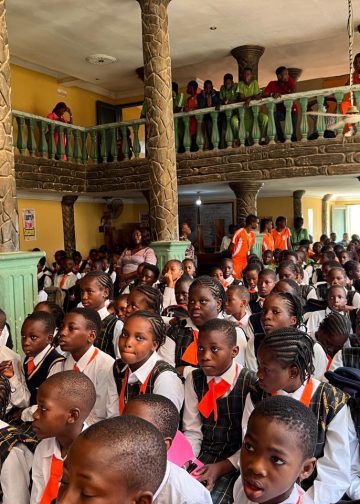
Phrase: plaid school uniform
[182,336]
[106,336]
[222,438]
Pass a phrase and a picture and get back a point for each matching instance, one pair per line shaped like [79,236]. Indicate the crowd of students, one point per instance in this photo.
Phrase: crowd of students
[178,388]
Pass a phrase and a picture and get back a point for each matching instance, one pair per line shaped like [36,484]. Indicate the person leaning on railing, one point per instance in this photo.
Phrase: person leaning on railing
[228,94]
[58,114]
[249,90]
[207,99]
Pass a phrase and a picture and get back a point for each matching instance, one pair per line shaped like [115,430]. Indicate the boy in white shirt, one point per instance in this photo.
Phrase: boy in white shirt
[64,402]
[67,279]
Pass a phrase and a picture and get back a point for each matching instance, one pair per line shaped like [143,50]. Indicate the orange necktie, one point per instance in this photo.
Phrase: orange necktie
[52,487]
[63,281]
[75,366]
[329,361]
[30,366]
[208,402]
[143,387]
[307,393]
[190,354]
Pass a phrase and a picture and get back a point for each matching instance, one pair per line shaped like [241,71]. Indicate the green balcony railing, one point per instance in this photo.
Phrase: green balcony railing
[229,126]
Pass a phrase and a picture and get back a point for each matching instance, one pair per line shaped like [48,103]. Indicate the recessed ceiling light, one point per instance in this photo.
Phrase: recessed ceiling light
[100,59]
[213,27]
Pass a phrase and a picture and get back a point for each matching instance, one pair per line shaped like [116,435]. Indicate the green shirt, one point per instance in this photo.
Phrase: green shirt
[297,236]
[229,94]
[252,89]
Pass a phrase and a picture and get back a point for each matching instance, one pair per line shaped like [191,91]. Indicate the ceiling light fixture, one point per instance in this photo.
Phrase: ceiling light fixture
[100,59]
[198,201]
[212,28]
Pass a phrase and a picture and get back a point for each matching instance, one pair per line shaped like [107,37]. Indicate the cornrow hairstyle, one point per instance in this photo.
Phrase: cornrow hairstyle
[103,279]
[157,324]
[225,327]
[292,347]
[295,287]
[153,268]
[154,298]
[56,310]
[93,320]
[215,287]
[45,318]
[241,291]
[293,303]
[295,416]
[287,264]
[335,323]
[5,392]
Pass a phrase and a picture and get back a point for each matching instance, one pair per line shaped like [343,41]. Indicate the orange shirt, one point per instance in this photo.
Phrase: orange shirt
[281,238]
[268,242]
[243,241]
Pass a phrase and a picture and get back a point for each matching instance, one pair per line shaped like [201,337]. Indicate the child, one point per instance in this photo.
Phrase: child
[334,334]
[180,310]
[237,305]
[132,453]
[36,340]
[44,275]
[120,305]
[206,302]
[217,273]
[149,275]
[251,276]
[277,453]
[66,279]
[268,259]
[178,485]
[227,267]
[5,333]
[281,234]
[285,360]
[189,267]
[140,369]
[266,226]
[337,276]
[352,269]
[214,400]
[144,298]
[348,356]
[96,289]
[58,314]
[266,283]
[80,329]
[64,402]
[171,273]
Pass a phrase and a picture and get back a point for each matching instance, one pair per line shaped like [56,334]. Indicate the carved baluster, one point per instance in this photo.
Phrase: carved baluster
[357,101]
[60,151]
[21,143]
[43,146]
[77,147]
[103,146]
[256,133]
[199,132]
[215,138]
[84,150]
[176,133]
[52,145]
[68,146]
[304,125]
[320,121]
[125,144]
[94,146]
[339,96]
[288,120]
[187,138]
[113,144]
[31,143]
[242,130]
[229,136]
[271,129]
[136,143]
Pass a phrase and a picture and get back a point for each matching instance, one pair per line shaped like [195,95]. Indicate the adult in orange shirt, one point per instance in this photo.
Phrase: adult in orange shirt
[266,226]
[281,234]
[241,244]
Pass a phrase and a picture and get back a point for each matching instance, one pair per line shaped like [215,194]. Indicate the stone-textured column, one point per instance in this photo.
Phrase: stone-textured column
[295,73]
[67,205]
[248,56]
[297,195]
[325,214]
[9,234]
[246,193]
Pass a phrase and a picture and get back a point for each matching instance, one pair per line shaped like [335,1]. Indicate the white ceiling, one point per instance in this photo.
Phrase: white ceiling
[57,35]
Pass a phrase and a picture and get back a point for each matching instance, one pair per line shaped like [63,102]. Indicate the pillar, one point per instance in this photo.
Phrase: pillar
[297,195]
[246,193]
[160,130]
[67,206]
[325,214]
[248,56]
[295,73]
[18,273]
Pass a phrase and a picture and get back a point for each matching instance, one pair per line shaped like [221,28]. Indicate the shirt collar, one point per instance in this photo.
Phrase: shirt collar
[164,481]
[297,394]
[228,376]
[142,373]
[82,362]
[103,312]
[40,356]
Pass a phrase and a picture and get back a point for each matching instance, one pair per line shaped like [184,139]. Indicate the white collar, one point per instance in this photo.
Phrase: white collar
[103,312]
[40,356]
[142,373]
[228,376]
[164,481]
[83,361]
[298,393]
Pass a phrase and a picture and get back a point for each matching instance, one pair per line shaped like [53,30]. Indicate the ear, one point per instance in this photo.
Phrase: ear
[218,305]
[234,351]
[307,468]
[91,336]
[293,372]
[168,443]
[142,498]
[74,414]
[50,338]
[293,320]
[181,272]
[106,293]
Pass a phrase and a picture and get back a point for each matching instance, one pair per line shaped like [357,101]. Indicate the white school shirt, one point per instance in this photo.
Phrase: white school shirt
[192,424]
[320,359]
[20,396]
[242,323]
[167,351]
[167,384]
[98,370]
[240,497]
[103,312]
[333,468]
[18,463]
[42,465]
[4,335]
[70,281]
[169,298]
[354,489]
[178,487]
[313,319]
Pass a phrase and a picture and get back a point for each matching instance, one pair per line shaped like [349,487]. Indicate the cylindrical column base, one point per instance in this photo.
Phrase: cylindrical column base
[246,198]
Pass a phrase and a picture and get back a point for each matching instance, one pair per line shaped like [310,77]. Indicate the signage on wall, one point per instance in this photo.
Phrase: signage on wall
[29,225]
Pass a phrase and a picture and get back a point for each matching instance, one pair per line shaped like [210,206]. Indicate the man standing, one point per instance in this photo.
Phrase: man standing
[298,233]
[241,244]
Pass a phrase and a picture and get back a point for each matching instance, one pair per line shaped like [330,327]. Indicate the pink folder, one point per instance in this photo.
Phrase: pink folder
[181,452]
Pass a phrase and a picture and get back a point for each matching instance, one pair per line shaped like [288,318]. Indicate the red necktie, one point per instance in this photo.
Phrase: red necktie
[329,361]
[75,368]
[30,366]
[190,354]
[52,487]
[63,281]
[208,402]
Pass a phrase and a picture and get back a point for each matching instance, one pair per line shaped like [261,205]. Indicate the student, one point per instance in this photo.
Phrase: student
[149,275]
[171,273]
[298,233]
[59,256]
[214,400]
[228,94]
[334,335]
[44,275]
[249,89]
[64,401]
[67,278]
[227,267]
[144,298]
[266,226]
[179,311]
[251,277]
[206,99]
[189,267]
[337,276]
[226,241]
[58,314]
[217,273]
[285,360]
[237,305]
[277,453]
[140,369]
[5,332]
[242,241]
[80,329]
[206,302]
[120,305]
[133,463]
[177,485]
[352,269]
[36,340]
[281,234]
[96,288]
[268,259]
[319,278]
[266,283]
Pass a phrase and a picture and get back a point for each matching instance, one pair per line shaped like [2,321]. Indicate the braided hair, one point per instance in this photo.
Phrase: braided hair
[215,287]
[157,324]
[335,323]
[103,279]
[293,304]
[154,298]
[5,392]
[290,265]
[291,347]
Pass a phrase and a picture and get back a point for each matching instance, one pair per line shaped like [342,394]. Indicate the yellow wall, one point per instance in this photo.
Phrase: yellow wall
[276,206]
[316,205]
[87,222]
